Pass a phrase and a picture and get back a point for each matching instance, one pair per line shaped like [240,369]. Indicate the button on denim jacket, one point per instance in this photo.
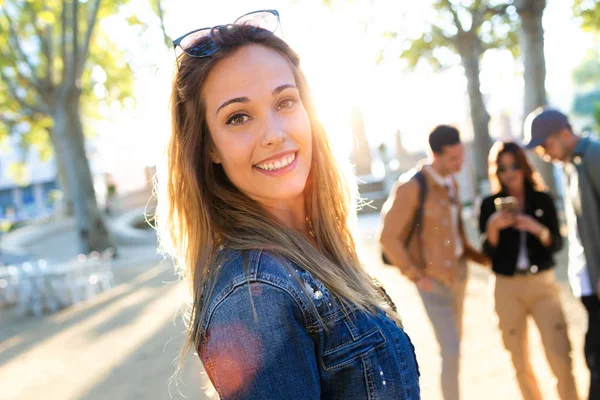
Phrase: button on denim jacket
[263,340]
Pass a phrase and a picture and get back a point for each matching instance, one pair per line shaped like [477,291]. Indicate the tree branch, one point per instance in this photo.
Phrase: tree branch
[443,39]
[21,55]
[478,12]
[50,55]
[161,16]
[12,90]
[63,40]
[75,39]
[45,39]
[450,7]
[497,10]
[13,61]
[88,36]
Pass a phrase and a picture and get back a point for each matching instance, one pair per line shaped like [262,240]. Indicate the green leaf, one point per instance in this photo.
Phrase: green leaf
[20,173]
[589,11]
[597,115]
[134,21]
[47,17]
[588,72]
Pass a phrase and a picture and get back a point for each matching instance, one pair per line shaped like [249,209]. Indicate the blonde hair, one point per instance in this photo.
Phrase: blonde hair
[199,209]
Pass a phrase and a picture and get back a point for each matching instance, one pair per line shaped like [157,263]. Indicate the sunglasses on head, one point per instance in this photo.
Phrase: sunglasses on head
[511,167]
[200,42]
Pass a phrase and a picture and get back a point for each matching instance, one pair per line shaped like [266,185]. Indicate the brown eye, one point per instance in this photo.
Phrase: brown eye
[284,104]
[237,119]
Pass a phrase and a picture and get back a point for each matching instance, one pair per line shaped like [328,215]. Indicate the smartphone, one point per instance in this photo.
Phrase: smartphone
[509,203]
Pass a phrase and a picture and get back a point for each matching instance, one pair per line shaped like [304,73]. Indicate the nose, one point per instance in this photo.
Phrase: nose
[273,134]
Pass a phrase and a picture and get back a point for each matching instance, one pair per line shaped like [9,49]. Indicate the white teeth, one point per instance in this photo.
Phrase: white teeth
[283,162]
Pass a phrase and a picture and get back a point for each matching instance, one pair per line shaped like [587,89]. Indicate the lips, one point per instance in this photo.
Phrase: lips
[278,166]
[277,162]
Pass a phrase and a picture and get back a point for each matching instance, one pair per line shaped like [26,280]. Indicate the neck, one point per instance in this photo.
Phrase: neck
[518,192]
[439,169]
[572,144]
[291,213]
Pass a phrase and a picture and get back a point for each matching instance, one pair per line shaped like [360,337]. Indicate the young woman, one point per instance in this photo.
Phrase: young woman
[257,212]
[521,243]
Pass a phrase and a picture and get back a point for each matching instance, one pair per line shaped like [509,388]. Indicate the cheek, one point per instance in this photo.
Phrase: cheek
[298,126]
[515,177]
[234,152]
[553,148]
[520,176]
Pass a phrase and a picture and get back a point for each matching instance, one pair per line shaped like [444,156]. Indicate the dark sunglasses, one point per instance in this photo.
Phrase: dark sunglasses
[513,167]
[200,43]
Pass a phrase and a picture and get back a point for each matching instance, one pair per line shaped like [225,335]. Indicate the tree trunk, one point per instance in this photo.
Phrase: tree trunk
[61,173]
[479,118]
[68,132]
[532,43]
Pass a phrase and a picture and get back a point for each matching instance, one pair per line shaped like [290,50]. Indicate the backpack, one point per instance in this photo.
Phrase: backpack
[418,218]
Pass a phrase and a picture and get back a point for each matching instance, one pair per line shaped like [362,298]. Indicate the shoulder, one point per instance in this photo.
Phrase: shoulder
[593,145]
[408,182]
[241,277]
[591,154]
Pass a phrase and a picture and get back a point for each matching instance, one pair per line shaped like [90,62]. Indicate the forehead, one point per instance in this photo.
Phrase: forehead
[251,71]
[506,158]
[454,150]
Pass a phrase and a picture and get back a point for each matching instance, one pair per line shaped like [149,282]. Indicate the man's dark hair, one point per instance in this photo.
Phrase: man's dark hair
[442,136]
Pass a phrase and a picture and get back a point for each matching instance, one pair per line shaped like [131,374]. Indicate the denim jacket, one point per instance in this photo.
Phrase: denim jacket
[262,339]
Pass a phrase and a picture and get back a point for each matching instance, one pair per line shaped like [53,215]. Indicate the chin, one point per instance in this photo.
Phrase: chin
[284,192]
[290,191]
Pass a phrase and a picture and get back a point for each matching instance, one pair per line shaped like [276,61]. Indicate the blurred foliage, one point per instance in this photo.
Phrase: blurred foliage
[588,72]
[36,61]
[588,104]
[589,11]
[19,172]
[584,103]
[463,27]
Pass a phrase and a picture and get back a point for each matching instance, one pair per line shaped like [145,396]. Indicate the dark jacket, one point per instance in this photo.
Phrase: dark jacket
[586,191]
[538,205]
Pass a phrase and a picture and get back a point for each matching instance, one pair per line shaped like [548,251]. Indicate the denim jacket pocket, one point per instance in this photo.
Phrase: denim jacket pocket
[348,352]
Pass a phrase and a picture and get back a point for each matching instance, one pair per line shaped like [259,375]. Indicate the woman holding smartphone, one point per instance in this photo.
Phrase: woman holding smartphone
[521,235]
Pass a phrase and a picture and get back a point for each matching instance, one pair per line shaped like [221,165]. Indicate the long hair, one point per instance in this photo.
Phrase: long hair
[200,210]
[533,179]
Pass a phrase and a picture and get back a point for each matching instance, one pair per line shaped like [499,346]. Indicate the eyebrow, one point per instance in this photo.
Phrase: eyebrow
[276,91]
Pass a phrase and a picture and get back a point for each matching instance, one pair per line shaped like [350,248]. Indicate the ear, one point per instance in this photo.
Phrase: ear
[214,155]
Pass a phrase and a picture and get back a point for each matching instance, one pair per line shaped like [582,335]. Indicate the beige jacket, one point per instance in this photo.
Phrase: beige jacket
[436,236]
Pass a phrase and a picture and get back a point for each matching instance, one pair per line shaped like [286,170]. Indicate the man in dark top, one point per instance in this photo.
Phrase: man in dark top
[549,132]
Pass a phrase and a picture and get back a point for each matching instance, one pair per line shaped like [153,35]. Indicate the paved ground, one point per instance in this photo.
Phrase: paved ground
[122,345]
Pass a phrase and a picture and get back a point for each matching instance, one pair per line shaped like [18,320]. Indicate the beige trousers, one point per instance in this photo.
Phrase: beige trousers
[444,306]
[538,295]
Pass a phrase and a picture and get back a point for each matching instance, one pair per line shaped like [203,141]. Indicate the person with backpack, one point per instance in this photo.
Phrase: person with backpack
[549,132]
[423,235]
